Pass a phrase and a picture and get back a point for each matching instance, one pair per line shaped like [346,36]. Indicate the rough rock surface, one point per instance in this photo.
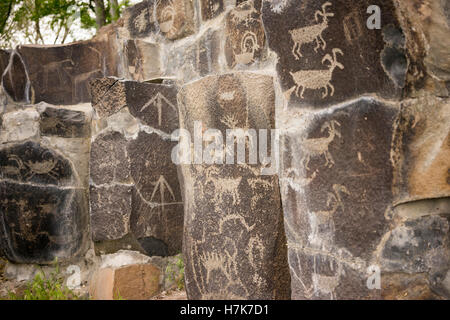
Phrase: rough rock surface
[134,184]
[362,112]
[233,236]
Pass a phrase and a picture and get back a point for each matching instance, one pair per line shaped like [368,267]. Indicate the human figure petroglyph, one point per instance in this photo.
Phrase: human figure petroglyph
[317,79]
[162,185]
[157,101]
[313,33]
[316,147]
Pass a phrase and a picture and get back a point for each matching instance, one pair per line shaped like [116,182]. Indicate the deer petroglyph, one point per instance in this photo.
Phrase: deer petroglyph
[316,147]
[312,33]
[317,79]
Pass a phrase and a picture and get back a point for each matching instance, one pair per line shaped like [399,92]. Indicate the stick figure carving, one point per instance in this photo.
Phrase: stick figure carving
[157,101]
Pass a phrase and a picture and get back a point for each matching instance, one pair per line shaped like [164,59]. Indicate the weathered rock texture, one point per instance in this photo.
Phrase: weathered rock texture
[134,185]
[44,172]
[233,237]
[364,174]
[363,188]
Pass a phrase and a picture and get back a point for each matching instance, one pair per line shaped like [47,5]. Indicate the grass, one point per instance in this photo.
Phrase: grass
[175,272]
[44,287]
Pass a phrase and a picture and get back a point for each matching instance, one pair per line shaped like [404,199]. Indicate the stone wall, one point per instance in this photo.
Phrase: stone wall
[363,115]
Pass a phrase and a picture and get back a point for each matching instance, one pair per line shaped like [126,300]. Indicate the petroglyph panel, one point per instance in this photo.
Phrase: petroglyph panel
[139,163]
[157,210]
[139,19]
[175,18]
[233,236]
[245,37]
[61,74]
[64,123]
[327,55]
[152,169]
[336,179]
[421,150]
[161,223]
[40,223]
[154,104]
[31,162]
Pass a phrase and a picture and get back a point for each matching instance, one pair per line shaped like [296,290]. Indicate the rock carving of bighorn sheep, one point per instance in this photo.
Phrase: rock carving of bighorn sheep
[317,79]
[313,33]
[319,146]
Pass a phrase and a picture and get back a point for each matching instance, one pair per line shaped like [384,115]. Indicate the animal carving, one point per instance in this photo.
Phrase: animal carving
[317,79]
[327,284]
[313,33]
[167,18]
[45,167]
[249,45]
[324,217]
[319,146]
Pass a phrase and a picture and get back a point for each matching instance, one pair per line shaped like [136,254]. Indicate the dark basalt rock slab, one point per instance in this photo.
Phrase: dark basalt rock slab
[154,104]
[157,204]
[109,162]
[162,222]
[328,55]
[64,123]
[40,223]
[108,96]
[418,246]
[152,170]
[110,211]
[245,37]
[142,163]
[233,235]
[336,188]
[31,162]
[61,74]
